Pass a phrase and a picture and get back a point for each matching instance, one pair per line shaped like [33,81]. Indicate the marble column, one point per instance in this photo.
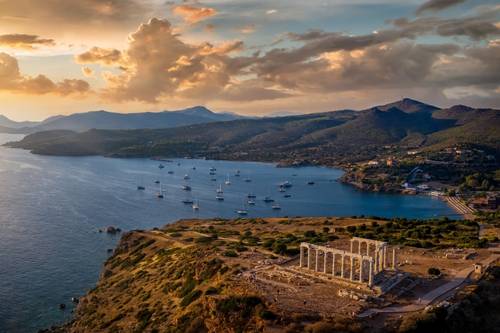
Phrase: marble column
[342,267]
[333,263]
[324,262]
[301,255]
[351,245]
[359,247]
[309,259]
[394,258]
[370,274]
[317,258]
[351,276]
[361,270]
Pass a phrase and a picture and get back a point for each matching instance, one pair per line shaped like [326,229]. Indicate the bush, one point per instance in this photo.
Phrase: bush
[434,271]
[267,315]
[191,297]
[230,253]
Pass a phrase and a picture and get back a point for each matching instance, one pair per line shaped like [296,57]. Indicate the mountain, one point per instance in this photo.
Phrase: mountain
[109,120]
[409,105]
[328,138]
[7,123]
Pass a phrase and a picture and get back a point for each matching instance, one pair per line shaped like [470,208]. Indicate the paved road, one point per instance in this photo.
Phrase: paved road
[433,294]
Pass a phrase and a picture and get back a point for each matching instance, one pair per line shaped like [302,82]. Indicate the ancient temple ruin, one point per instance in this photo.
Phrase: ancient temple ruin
[365,259]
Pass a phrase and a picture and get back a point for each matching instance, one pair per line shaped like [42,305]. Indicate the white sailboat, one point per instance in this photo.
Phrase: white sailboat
[219,190]
[196,205]
[227,182]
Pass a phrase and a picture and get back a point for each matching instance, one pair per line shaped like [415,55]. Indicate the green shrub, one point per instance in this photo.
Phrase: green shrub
[230,253]
[191,297]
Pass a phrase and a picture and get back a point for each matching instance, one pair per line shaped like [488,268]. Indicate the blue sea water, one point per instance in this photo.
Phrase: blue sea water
[51,209]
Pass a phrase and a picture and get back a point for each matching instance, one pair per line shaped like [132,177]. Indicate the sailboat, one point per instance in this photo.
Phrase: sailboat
[219,190]
[276,206]
[141,187]
[186,176]
[242,211]
[227,182]
[251,202]
[186,187]
[268,199]
[237,174]
[161,166]
[160,193]
[219,197]
[196,205]
[247,180]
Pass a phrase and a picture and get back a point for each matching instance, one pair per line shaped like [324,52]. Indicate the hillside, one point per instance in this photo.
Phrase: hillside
[328,138]
[80,122]
[242,276]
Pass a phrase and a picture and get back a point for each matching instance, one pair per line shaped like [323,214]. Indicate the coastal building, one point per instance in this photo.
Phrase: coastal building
[372,163]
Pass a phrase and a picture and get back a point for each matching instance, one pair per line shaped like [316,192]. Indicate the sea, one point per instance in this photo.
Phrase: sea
[52,208]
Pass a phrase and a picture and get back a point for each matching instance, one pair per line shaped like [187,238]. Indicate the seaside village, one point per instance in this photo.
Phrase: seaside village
[420,172]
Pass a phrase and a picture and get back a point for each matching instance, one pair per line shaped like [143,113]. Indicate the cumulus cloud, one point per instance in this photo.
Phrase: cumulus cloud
[158,64]
[437,5]
[192,14]
[87,71]
[24,41]
[12,80]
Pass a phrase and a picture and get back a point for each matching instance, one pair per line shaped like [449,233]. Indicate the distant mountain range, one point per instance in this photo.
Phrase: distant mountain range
[328,137]
[109,120]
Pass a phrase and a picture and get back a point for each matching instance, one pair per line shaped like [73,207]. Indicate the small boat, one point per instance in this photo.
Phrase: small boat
[247,180]
[276,206]
[251,202]
[282,189]
[212,169]
[157,182]
[242,212]
[213,179]
[187,201]
[170,172]
[251,196]
[237,174]
[268,199]
[212,173]
[140,188]
[310,183]
[227,182]
[196,205]
[287,196]
[161,166]
[186,176]
[286,184]
[178,164]
[160,195]
[219,190]
[219,197]
[194,168]
[186,187]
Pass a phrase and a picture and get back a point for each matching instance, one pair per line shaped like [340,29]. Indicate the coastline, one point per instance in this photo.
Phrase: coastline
[460,207]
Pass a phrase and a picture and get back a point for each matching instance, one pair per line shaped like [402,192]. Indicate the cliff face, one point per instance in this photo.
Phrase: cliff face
[194,276]
[154,283]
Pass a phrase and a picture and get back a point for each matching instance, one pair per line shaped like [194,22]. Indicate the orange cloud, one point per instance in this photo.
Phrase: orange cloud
[12,80]
[23,41]
[193,14]
[99,55]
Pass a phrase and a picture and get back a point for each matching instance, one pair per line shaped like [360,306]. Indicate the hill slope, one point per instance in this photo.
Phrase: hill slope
[328,138]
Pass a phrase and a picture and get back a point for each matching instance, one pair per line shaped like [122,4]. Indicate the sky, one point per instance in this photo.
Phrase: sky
[253,57]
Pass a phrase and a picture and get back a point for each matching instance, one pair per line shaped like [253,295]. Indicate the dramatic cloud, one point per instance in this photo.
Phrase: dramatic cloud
[158,65]
[437,5]
[23,41]
[193,14]
[475,27]
[12,80]
[100,56]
